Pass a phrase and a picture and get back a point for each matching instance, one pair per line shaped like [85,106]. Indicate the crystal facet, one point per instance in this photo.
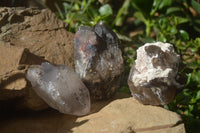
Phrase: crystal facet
[60,88]
[154,76]
[98,60]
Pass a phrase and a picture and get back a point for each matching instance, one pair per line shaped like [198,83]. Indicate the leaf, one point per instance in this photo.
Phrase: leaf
[165,3]
[173,30]
[196,75]
[156,4]
[184,35]
[105,10]
[191,107]
[119,21]
[144,6]
[189,79]
[123,11]
[182,20]
[172,10]
[195,5]
[81,18]
[198,95]
[146,39]
[140,16]
[123,37]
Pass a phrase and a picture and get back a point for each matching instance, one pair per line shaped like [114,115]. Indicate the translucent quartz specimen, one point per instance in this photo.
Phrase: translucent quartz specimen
[98,60]
[60,88]
[154,76]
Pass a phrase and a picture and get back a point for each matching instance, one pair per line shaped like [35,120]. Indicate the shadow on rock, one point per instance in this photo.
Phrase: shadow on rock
[47,121]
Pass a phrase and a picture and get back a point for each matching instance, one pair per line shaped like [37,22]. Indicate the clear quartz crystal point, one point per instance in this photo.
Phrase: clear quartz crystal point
[60,88]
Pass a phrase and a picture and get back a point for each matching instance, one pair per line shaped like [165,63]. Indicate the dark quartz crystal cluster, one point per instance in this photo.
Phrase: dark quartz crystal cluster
[98,59]
[154,77]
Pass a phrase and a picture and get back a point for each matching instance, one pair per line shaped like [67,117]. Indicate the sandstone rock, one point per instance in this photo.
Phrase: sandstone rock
[51,4]
[98,60]
[124,115]
[127,115]
[40,31]
[61,88]
[154,77]
[13,64]
[44,36]
[10,60]
[13,85]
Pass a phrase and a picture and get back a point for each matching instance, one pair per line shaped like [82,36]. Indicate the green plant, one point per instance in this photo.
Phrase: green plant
[84,12]
[155,13]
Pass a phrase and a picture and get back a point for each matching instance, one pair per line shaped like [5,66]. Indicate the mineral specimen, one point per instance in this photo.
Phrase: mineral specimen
[154,76]
[98,59]
[60,88]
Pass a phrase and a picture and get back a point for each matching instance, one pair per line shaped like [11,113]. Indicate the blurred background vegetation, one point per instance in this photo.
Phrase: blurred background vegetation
[137,22]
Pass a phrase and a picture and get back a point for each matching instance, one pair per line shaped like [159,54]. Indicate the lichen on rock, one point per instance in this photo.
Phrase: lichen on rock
[154,76]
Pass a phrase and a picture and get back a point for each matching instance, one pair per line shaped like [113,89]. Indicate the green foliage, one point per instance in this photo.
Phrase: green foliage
[105,10]
[143,8]
[84,12]
[174,12]
[187,103]
[123,11]
[195,5]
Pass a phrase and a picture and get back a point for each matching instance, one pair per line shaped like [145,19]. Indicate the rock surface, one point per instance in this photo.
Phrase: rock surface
[40,31]
[154,76]
[46,38]
[125,115]
[13,66]
[98,60]
[51,4]
[60,87]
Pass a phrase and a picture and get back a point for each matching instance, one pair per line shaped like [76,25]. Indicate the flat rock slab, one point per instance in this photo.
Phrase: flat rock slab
[122,115]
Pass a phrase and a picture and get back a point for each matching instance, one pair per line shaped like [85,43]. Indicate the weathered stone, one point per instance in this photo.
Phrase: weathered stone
[129,116]
[61,88]
[13,85]
[98,60]
[125,115]
[10,60]
[51,4]
[154,76]
[40,31]
[13,64]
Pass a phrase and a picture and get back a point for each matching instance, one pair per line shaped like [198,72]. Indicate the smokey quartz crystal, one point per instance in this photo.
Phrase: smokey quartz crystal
[98,59]
[154,77]
[60,87]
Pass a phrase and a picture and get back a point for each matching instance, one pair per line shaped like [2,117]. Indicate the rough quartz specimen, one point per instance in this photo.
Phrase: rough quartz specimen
[61,88]
[98,59]
[154,76]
